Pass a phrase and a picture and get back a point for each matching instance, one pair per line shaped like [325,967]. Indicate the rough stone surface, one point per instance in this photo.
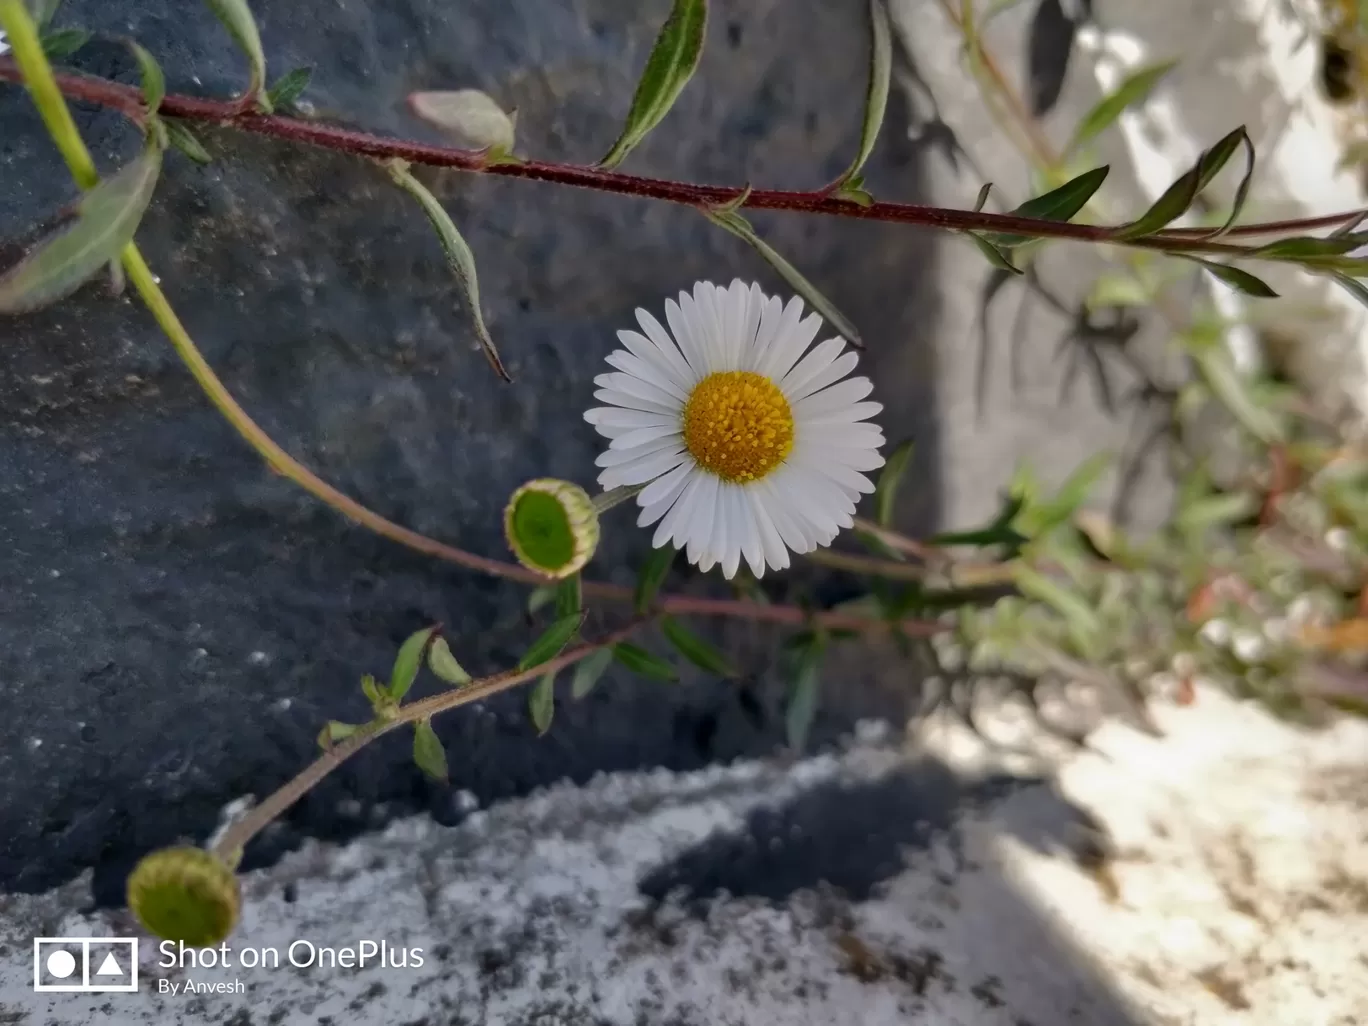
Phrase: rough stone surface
[176,623]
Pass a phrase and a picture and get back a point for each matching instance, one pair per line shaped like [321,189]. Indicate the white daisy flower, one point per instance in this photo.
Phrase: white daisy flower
[747,448]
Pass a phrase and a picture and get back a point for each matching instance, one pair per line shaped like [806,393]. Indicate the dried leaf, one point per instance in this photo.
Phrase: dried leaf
[472,119]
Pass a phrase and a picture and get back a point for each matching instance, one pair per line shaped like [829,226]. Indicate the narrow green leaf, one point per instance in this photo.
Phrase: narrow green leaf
[876,95]
[62,43]
[407,662]
[569,597]
[669,68]
[693,648]
[1232,389]
[1217,511]
[442,663]
[890,478]
[459,257]
[541,703]
[1350,225]
[1072,494]
[588,671]
[1299,246]
[1241,281]
[540,597]
[236,17]
[179,135]
[334,731]
[1059,204]
[1176,199]
[107,219]
[803,695]
[653,574]
[288,88]
[740,227]
[428,752]
[1133,90]
[371,689]
[1241,191]
[153,81]
[982,196]
[1353,286]
[1066,602]
[995,256]
[638,660]
[549,645]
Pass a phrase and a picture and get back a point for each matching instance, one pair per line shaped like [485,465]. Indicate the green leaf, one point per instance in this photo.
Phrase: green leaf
[407,662]
[540,596]
[459,257]
[236,17]
[1232,388]
[334,731]
[638,660]
[996,257]
[1216,511]
[886,491]
[549,645]
[371,689]
[653,574]
[541,702]
[1068,603]
[1133,90]
[288,88]
[740,227]
[1059,204]
[179,135]
[1072,494]
[588,671]
[668,70]
[428,752]
[61,43]
[1353,286]
[153,81]
[876,97]
[1305,246]
[107,219]
[42,11]
[1240,281]
[1116,288]
[1175,201]
[693,648]
[442,663]
[569,597]
[804,694]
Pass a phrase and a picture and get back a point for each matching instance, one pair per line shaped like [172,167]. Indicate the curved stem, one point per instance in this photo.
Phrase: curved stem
[358,143]
[234,839]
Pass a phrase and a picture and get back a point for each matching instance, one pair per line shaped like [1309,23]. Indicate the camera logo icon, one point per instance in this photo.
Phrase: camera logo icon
[85,965]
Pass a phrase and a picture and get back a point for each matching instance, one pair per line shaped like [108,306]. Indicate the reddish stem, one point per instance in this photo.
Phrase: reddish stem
[128,100]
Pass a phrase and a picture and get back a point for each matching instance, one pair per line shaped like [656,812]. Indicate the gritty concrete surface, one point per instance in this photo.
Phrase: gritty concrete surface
[1216,874]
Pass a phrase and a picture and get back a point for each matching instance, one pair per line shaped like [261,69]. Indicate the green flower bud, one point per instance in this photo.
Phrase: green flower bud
[552,527]
[185,894]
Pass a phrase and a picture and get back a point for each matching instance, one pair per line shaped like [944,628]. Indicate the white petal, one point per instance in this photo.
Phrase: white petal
[635,386]
[736,303]
[638,369]
[613,397]
[615,416]
[725,534]
[679,513]
[640,471]
[755,307]
[690,344]
[638,436]
[845,415]
[784,334]
[708,317]
[700,526]
[853,459]
[660,338]
[821,378]
[814,363]
[751,546]
[617,457]
[776,554]
[862,435]
[790,347]
[791,531]
[661,494]
[771,317]
[652,356]
[838,397]
[847,477]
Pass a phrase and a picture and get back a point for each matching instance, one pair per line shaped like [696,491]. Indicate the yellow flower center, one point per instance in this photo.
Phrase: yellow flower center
[738,425]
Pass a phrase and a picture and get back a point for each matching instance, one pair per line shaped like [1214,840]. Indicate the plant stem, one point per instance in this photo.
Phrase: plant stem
[358,143]
[229,847]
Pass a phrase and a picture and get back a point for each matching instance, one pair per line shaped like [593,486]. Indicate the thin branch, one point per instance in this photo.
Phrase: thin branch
[358,143]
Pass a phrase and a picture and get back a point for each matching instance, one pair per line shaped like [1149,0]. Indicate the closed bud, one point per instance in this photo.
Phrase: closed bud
[185,894]
[552,527]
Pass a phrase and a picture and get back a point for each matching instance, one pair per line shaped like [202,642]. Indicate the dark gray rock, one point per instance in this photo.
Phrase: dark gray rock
[177,621]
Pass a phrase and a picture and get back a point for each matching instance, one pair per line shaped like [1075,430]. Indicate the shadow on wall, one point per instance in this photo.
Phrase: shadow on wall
[177,622]
[950,925]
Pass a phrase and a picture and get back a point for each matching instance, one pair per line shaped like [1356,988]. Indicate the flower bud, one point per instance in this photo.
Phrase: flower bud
[185,894]
[552,527]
